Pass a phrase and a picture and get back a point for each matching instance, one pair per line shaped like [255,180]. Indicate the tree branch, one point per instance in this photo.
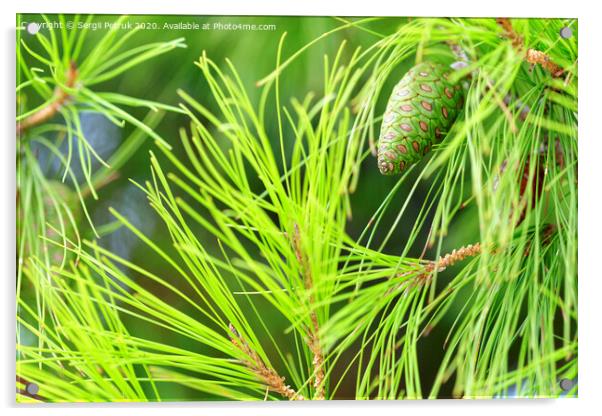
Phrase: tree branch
[269,376]
[46,113]
[313,337]
[452,258]
[532,56]
[29,389]
[448,260]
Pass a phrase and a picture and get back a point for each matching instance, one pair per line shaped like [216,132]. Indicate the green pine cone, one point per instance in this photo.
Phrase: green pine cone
[420,112]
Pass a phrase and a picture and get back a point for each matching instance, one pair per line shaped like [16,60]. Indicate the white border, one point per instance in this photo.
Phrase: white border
[590,151]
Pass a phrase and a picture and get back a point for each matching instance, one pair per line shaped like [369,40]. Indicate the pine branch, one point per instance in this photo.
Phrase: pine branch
[313,337]
[60,98]
[30,389]
[269,376]
[532,56]
[472,250]
[447,260]
[318,360]
[454,257]
[108,179]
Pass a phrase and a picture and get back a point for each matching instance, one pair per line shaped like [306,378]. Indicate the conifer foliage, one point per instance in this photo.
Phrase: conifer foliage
[266,290]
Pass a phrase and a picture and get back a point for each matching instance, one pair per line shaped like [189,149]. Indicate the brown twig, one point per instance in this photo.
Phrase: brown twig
[535,57]
[312,333]
[269,376]
[463,253]
[452,258]
[509,33]
[318,359]
[421,276]
[29,389]
[46,113]
[111,177]
[532,56]
[448,260]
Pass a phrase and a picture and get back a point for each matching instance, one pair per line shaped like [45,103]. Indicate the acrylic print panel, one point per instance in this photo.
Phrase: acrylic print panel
[295,208]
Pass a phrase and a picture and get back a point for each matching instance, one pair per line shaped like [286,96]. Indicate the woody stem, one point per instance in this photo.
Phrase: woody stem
[46,113]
